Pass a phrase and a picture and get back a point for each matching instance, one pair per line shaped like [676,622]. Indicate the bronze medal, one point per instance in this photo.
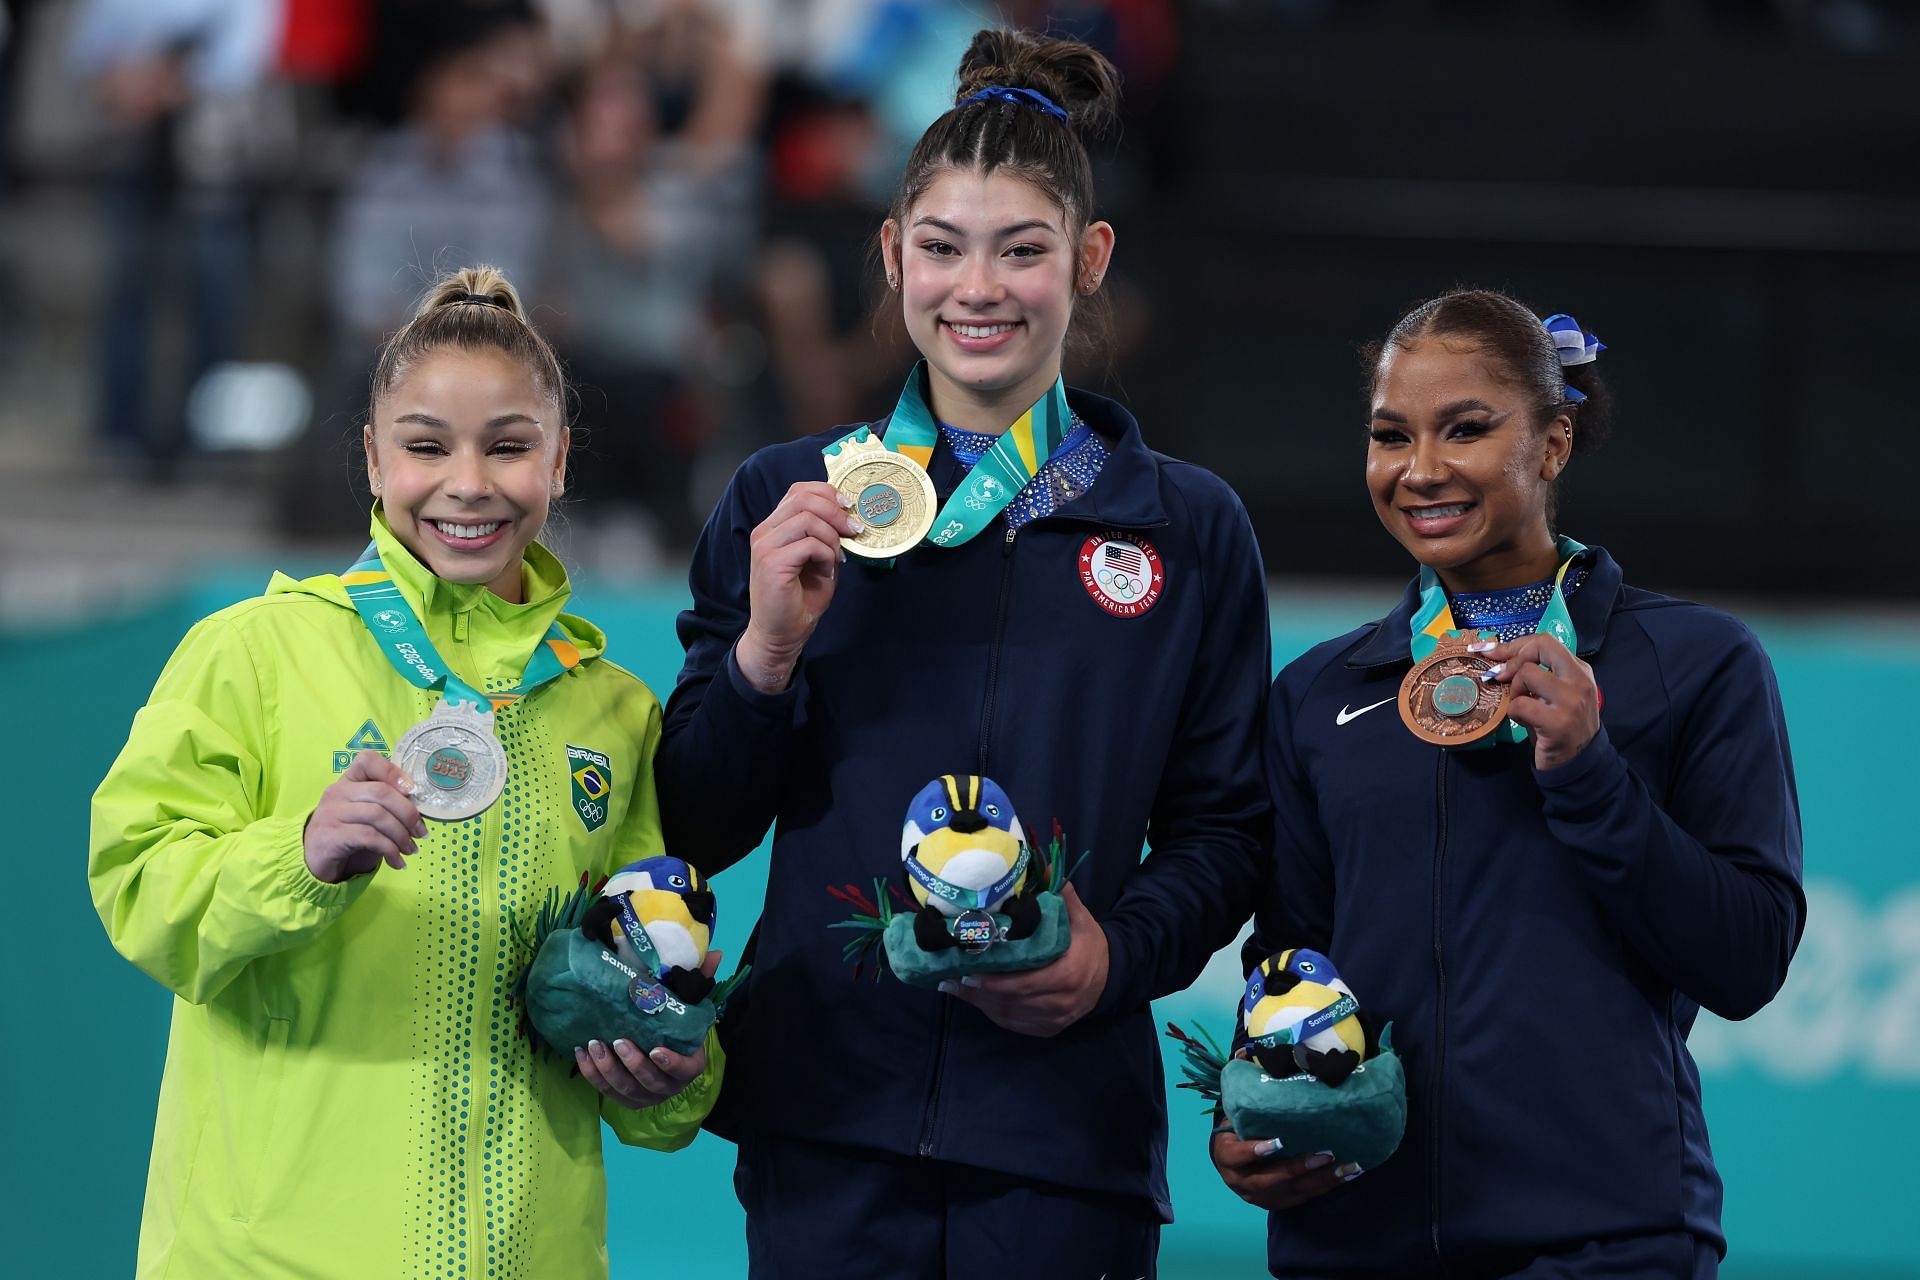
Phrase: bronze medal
[892,496]
[1444,701]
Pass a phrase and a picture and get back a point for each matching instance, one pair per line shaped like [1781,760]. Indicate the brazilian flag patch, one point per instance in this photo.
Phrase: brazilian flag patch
[592,784]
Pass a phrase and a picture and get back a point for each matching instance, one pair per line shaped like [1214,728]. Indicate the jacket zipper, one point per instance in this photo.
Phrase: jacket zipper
[986,729]
[1439,1011]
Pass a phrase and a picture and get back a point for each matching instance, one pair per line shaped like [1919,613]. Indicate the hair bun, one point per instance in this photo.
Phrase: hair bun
[470,285]
[1076,76]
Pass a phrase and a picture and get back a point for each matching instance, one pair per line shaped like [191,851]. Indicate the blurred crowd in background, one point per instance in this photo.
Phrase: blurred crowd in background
[685,191]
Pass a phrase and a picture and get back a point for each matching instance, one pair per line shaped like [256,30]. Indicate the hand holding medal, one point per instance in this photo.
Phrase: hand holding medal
[1552,692]
[795,556]
[365,818]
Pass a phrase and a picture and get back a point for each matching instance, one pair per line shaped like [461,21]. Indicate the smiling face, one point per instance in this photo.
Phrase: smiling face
[1459,470]
[466,454]
[988,268]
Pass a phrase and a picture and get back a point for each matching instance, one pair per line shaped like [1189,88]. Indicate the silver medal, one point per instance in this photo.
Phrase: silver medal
[458,767]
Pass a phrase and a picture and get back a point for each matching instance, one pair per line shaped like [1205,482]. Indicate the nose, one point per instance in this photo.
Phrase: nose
[979,285]
[1427,467]
[968,821]
[468,479]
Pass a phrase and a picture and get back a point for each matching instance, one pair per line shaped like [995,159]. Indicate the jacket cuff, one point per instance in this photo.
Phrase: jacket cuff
[1584,785]
[1118,997]
[287,850]
[673,1124]
[770,707]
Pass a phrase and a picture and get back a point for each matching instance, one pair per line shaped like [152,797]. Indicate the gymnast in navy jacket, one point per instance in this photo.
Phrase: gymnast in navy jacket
[1541,919]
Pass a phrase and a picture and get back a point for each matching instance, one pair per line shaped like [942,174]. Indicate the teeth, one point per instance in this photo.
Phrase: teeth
[1439,513]
[978,330]
[466,530]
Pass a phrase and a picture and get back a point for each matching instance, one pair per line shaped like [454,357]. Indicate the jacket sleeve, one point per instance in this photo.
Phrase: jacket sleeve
[673,1124]
[1294,906]
[1708,889]
[724,747]
[1208,831]
[190,877]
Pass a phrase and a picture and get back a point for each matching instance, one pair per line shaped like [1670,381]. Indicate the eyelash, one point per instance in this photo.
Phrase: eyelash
[431,448]
[1392,435]
[942,249]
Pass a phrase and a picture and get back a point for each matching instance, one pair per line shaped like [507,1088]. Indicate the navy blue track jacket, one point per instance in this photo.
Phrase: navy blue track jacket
[1542,941]
[992,657]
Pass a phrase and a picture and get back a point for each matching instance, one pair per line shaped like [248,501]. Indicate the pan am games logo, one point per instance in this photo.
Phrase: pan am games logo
[592,785]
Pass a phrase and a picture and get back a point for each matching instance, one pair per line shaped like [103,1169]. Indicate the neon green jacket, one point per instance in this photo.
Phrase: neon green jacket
[347,1092]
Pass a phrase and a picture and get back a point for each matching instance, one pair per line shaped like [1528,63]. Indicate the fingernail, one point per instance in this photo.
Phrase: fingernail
[594,1046]
[1480,646]
[420,828]
[950,987]
[1319,1160]
[408,786]
[1493,672]
[846,499]
[1265,1150]
[411,847]
[622,1045]
[1348,1171]
[854,526]
[969,981]
[659,1057]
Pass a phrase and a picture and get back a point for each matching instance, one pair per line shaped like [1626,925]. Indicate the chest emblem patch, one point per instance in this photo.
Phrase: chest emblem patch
[592,784]
[369,738]
[1122,572]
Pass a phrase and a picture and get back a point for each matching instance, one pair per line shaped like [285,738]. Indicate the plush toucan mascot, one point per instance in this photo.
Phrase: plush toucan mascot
[1297,1002]
[669,900]
[964,850]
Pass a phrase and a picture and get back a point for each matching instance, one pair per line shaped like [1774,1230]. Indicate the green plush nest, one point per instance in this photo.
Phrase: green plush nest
[575,990]
[931,968]
[578,991]
[1361,1121]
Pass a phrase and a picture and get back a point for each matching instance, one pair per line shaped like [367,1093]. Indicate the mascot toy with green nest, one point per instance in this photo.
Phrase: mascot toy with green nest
[1310,1069]
[624,961]
[982,900]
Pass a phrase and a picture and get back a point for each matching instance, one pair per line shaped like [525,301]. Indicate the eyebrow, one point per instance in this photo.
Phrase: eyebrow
[1011,229]
[493,424]
[1446,411]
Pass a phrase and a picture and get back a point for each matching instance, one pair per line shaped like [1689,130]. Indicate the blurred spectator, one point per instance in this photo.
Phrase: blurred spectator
[187,87]
[456,180]
[658,149]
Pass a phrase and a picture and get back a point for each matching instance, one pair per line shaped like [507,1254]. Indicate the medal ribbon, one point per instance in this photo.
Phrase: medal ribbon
[396,628]
[947,891]
[1002,471]
[1310,1026]
[1434,620]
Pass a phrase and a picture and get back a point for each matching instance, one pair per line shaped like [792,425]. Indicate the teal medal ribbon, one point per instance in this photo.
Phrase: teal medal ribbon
[397,630]
[1021,450]
[1310,1026]
[1434,620]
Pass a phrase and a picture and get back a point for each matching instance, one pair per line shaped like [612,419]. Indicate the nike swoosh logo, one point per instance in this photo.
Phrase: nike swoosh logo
[1346,715]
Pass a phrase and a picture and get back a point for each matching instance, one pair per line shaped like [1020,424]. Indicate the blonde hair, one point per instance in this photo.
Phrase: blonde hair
[472,309]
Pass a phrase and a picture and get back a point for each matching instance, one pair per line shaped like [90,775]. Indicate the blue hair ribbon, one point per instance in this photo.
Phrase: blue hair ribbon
[1574,345]
[1031,98]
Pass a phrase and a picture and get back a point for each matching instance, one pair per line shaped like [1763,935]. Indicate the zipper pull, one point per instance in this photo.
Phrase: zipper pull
[1008,550]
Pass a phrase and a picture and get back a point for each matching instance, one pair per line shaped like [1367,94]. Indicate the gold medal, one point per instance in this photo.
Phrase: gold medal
[1444,701]
[892,496]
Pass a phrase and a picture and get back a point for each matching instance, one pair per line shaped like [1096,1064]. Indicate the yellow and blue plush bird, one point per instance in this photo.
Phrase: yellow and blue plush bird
[1299,1000]
[667,898]
[964,850]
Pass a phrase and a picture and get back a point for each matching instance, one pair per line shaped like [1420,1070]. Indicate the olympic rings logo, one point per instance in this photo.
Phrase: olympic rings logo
[590,811]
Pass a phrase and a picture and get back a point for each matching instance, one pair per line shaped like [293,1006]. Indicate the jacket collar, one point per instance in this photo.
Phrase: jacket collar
[543,577]
[1127,492]
[1591,607]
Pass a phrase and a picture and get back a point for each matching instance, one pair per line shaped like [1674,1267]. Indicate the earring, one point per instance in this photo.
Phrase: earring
[1093,282]
[891,282]
[376,486]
